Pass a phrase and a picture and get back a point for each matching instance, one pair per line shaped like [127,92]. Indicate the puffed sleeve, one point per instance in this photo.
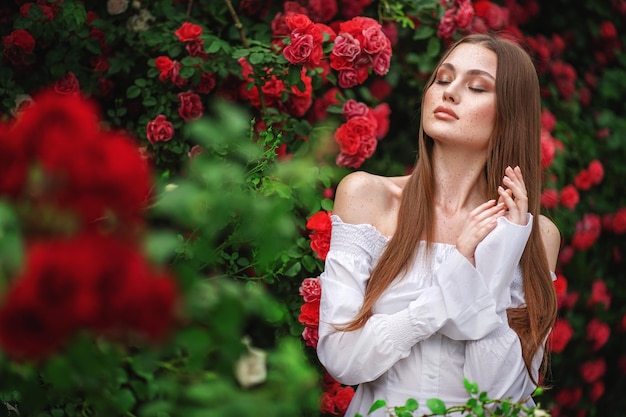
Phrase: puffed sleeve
[495,362]
[498,255]
[458,300]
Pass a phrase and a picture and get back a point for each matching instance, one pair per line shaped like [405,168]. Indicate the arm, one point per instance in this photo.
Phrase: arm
[455,302]
[506,374]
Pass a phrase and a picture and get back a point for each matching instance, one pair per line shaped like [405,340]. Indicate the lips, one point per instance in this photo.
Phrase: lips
[441,110]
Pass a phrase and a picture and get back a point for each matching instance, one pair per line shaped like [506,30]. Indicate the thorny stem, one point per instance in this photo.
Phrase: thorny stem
[238,23]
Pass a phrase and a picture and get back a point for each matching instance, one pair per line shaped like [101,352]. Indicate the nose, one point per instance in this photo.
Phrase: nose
[449,94]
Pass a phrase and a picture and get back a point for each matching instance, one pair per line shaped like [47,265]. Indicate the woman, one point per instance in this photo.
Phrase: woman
[446,274]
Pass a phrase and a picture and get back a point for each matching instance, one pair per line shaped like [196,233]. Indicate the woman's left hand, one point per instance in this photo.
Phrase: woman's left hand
[513,194]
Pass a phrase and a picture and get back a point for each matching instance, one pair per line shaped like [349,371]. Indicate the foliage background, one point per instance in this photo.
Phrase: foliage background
[231,223]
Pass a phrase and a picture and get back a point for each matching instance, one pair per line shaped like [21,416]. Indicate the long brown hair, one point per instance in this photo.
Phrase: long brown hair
[515,141]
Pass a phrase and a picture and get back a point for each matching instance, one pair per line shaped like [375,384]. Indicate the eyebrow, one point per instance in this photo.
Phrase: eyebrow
[471,72]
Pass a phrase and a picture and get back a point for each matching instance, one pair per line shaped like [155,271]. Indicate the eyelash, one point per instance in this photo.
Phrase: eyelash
[477,90]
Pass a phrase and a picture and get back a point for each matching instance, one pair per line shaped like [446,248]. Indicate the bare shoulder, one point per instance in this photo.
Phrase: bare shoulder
[362,197]
[551,240]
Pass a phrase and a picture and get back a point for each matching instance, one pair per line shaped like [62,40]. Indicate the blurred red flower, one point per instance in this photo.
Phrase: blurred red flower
[560,336]
[320,226]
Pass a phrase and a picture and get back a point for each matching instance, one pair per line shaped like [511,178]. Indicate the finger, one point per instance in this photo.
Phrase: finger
[515,180]
[507,198]
[486,210]
[518,190]
[501,200]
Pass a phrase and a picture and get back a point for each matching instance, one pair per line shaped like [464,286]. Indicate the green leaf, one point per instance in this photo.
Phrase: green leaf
[411,404]
[294,270]
[133,91]
[256,58]
[470,387]
[377,404]
[483,396]
[436,406]
[124,400]
[434,47]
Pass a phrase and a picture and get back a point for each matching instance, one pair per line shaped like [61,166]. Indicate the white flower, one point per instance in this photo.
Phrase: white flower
[21,102]
[251,368]
[537,412]
[117,6]
[139,23]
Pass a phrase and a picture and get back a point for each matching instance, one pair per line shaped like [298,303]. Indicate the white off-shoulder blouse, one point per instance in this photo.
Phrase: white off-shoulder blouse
[444,321]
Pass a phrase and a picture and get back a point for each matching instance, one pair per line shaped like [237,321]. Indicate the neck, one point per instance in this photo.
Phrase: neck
[459,175]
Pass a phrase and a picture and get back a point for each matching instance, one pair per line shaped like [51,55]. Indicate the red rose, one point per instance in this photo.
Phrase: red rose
[56,124]
[549,198]
[21,39]
[596,172]
[310,314]
[320,243]
[598,333]
[207,83]
[310,335]
[299,101]
[343,396]
[149,309]
[164,65]
[67,84]
[380,89]
[344,52]
[321,104]
[188,32]
[321,225]
[320,222]
[191,107]
[464,14]
[196,48]
[381,113]
[14,163]
[600,294]
[583,180]
[349,77]
[26,330]
[327,404]
[619,221]
[348,137]
[159,129]
[587,232]
[593,370]
[300,50]
[569,397]
[560,335]
[569,197]
[352,108]
[607,30]
[596,391]
[374,40]
[322,10]
[548,121]
[352,161]
[548,149]
[310,289]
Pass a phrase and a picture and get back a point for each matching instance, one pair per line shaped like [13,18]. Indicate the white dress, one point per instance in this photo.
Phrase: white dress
[443,322]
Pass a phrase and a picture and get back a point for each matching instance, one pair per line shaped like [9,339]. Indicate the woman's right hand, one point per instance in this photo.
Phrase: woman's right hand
[480,222]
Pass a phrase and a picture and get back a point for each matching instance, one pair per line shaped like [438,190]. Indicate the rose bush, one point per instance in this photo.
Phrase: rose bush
[202,168]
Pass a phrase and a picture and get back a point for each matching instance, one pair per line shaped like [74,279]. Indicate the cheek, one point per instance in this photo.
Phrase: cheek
[486,115]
